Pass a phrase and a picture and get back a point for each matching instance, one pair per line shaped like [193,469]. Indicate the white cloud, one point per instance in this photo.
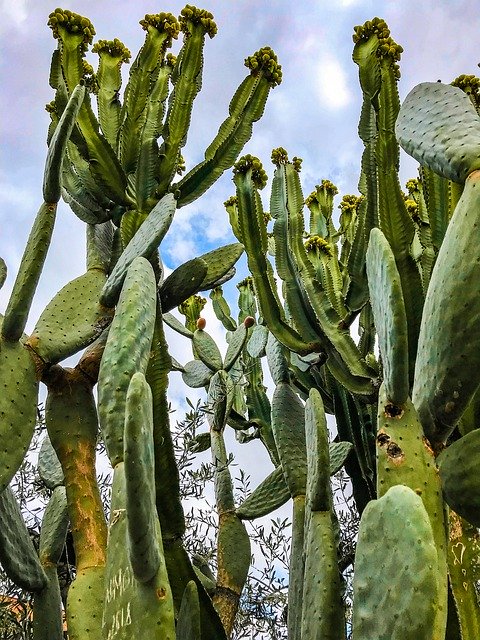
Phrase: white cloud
[14,12]
[331,83]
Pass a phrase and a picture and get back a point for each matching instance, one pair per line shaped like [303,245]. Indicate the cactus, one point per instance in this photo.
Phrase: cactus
[403,266]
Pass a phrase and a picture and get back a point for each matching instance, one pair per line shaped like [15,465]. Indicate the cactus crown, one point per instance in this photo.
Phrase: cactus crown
[163,23]
[319,245]
[349,203]
[279,156]
[412,185]
[471,86]
[388,49]
[265,61]
[231,202]
[329,187]
[246,282]
[113,48]
[72,23]
[249,162]
[190,15]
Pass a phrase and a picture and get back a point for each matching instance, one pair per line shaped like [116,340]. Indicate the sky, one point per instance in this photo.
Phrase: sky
[313,113]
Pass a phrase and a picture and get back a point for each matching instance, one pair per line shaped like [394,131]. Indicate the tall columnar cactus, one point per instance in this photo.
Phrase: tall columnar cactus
[404,395]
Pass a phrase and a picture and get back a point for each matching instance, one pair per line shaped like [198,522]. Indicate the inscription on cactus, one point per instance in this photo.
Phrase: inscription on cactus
[120,614]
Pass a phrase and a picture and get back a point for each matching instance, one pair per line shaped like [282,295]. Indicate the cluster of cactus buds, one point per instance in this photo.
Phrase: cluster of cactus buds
[404,394]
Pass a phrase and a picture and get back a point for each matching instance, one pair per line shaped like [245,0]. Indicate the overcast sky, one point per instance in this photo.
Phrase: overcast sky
[313,114]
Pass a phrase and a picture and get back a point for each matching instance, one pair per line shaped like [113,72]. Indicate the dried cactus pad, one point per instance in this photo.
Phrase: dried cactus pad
[439,126]
[458,467]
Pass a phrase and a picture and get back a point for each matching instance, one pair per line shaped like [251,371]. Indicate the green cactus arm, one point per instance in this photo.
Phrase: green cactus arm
[351,428]
[18,406]
[112,54]
[100,246]
[182,283]
[52,182]
[17,554]
[325,617]
[19,304]
[127,350]
[196,24]
[336,338]
[408,568]
[149,159]
[74,34]
[252,227]
[82,192]
[140,479]
[303,315]
[246,107]
[441,198]
[167,480]
[462,561]
[380,70]
[142,244]
[357,292]
[144,73]
[320,204]
[233,560]
[417,208]
[386,298]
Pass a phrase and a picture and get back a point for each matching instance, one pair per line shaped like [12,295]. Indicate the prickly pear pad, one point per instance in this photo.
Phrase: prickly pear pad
[49,467]
[72,320]
[439,126]
[18,407]
[133,609]
[143,243]
[17,554]
[126,352]
[388,308]
[270,494]
[447,369]
[458,467]
[395,583]
[288,424]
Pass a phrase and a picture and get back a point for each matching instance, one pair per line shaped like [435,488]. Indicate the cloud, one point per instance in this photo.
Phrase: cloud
[15,12]
[331,83]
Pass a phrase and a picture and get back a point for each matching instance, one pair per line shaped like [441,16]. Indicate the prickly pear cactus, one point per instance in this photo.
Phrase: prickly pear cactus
[402,267]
